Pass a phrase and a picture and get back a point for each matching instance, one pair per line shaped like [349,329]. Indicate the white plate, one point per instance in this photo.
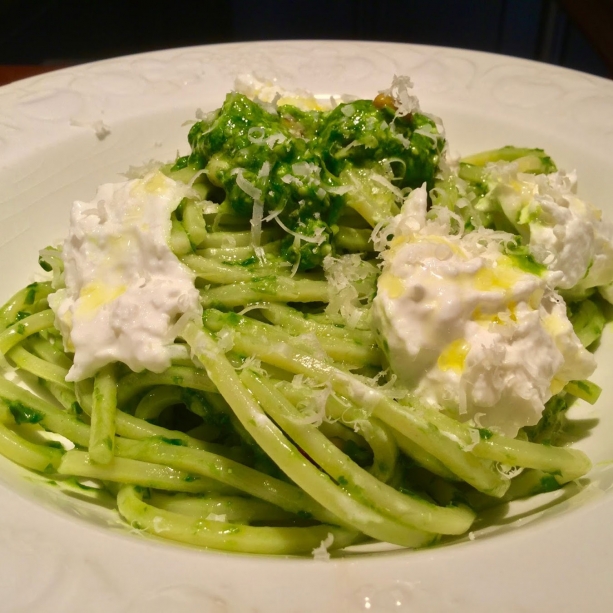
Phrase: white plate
[50,155]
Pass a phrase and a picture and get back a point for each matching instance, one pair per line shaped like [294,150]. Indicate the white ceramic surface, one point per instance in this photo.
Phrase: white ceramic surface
[50,155]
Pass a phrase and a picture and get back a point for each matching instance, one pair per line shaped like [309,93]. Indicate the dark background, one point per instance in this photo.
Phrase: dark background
[576,34]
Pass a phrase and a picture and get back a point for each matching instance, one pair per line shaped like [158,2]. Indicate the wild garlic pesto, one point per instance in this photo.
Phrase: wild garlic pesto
[297,165]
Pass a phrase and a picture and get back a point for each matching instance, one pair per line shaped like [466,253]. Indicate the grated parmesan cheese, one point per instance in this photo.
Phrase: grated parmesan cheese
[343,274]
[137,172]
[387,184]
[249,188]
[270,95]
[406,103]
[321,552]
[256,135]
[302,237]
[256,229]
[225,339]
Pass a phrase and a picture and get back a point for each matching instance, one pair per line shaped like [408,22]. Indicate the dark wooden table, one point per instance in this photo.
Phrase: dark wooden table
[11,73]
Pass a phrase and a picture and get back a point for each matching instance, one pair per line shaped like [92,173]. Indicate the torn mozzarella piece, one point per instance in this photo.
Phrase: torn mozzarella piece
[466,328]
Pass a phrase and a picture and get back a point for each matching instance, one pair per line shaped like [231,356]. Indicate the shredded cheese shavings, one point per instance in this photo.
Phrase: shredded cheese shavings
[406,103]
[272,215]
[225,339]
[249,188]
[257,214]
[383,181]
[257,135]
[342,273]
[302,237]
[321,552]
[256,229]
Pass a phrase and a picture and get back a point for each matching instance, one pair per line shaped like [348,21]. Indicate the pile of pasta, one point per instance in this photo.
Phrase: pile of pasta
[277,429]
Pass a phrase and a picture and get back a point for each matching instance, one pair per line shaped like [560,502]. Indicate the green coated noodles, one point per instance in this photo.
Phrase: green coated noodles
[236,436]
[354,240]
[65,396]
[22,329]
[133,384]
[272,440]
[193,222]
[566,464]
[179,239]
[39,367]
[229,473]
[42,458]
[234,509]
[358,482]
[47,349]
[104,409]
[231,240]
[444,438]
[296,322]
[215,271]
[27,407]
[22,303]
[135,472]
[375,434]
[266,289]
[225,535]
[238,255]
[155,401]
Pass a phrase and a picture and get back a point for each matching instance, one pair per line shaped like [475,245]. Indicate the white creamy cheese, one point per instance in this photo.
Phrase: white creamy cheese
[466,328]
[563,232]
[124,287]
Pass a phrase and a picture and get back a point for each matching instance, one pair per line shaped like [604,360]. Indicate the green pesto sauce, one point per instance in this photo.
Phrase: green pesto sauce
[44,265]
[31,295]
[251,261]
[360,455]
[142,491]
[173,441]
[197,403]
[551,423]
[523,259]
[548,483]
[24,414]
[289,159]
[485,434]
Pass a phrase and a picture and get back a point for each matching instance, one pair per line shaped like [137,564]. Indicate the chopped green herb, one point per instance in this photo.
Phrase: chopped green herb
[485,434]
[172,441]
[24,414]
